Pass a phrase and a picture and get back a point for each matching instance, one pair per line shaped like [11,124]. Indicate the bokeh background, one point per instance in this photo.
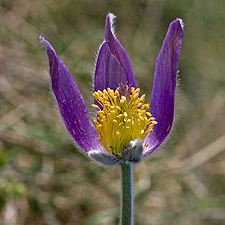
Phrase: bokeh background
[44,180]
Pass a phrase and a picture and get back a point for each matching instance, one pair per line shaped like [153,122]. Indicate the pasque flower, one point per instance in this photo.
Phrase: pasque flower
[124,129]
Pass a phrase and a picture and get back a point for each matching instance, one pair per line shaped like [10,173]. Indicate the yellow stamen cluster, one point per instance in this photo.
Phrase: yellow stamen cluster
[122,117]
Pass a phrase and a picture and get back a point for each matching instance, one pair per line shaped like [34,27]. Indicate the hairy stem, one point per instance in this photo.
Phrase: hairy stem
[126,217]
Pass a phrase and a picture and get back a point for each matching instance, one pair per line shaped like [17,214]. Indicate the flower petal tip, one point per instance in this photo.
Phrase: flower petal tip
[41,38]
[42,41]
[178,27]
[110,19]
[181,23]
[109,28]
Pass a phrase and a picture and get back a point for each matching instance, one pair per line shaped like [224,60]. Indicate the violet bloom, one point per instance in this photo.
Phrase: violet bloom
[125,130]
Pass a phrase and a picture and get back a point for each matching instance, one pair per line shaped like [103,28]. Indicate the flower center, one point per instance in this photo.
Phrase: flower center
[121,117]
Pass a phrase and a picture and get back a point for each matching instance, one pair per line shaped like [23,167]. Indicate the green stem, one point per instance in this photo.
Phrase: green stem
[126,217]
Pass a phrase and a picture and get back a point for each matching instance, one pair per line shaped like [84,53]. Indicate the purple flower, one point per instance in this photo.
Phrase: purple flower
[124,129]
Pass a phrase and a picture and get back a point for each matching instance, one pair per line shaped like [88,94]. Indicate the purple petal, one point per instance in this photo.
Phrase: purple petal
[113,65]
[71,104]
[109,72]
[164,85]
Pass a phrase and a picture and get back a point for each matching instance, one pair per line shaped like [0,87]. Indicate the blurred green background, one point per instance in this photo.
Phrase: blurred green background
[44,179]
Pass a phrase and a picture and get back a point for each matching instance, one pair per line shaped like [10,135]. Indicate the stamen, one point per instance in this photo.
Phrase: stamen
[122,118]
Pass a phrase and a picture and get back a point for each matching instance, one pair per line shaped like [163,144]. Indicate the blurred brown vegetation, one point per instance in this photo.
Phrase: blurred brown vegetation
[44,179]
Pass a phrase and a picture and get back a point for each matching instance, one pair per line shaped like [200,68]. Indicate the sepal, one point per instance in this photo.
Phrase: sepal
[103,158]
[134,153]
